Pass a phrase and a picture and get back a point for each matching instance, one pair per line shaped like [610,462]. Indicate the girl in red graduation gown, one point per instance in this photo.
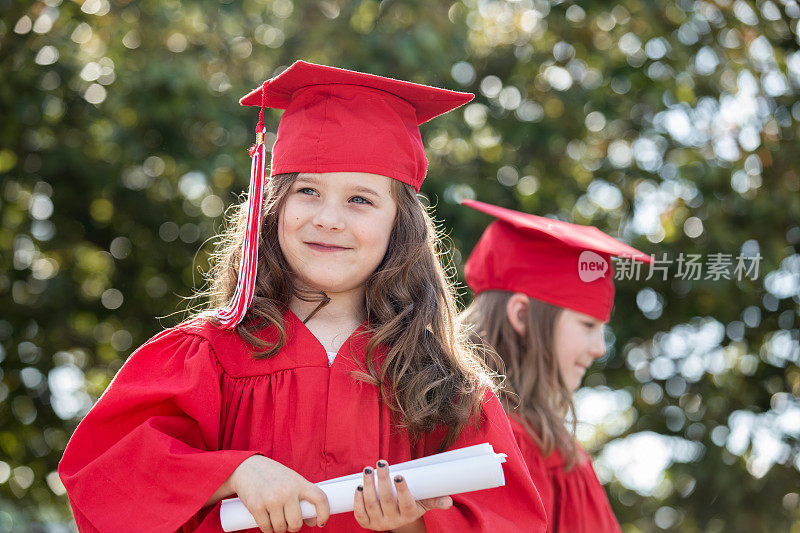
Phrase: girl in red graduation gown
[543,291]
[336,351]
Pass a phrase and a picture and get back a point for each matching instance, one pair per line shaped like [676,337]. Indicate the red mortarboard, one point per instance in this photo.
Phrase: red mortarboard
[563,264]
[340,120]
[335,120]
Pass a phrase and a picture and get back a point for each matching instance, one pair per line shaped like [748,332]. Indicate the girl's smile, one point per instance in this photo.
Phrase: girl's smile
[327,248]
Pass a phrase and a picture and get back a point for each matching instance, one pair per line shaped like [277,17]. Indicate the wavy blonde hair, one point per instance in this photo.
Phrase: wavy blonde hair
[534,391]
[429,376]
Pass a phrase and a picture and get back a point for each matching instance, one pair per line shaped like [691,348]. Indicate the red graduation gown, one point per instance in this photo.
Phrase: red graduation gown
[574,500]
[191,404]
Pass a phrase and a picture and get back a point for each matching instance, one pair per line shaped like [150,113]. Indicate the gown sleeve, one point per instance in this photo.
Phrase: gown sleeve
[513,507]
[574,499]
[537,468]
[145,457]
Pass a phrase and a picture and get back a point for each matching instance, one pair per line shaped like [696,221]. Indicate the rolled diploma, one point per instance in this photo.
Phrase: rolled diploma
[463,470]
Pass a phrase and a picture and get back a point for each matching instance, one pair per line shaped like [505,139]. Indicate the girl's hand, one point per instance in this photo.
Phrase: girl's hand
[388,512]
[272,494]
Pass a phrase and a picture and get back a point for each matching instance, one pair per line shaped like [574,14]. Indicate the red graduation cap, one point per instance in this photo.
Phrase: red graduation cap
[335,120]
[339,120]
[564,264]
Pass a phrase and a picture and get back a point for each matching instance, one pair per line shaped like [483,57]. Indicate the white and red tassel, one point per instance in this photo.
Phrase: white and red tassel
[233,313]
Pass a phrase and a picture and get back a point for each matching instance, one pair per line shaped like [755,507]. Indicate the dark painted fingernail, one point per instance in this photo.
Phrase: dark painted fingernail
[398,479]
[359,488]
[382,464]
[367,470]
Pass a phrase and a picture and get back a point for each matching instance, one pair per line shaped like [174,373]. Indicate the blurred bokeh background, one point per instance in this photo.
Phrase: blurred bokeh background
[673,125]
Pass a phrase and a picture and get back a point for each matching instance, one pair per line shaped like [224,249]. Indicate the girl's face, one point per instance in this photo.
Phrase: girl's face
[577,342]
[335,227]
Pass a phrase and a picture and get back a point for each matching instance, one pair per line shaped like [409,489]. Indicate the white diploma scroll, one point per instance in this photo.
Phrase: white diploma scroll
[462,470]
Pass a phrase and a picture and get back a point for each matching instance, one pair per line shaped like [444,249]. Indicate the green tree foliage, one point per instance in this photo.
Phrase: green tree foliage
[670,124]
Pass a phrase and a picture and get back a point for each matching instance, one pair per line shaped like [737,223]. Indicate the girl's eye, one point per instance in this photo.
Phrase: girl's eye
[589,325]
[360,200]
[306,190]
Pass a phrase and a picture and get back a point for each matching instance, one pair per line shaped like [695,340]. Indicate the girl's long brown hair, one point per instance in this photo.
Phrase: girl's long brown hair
[534,391]
[429,376]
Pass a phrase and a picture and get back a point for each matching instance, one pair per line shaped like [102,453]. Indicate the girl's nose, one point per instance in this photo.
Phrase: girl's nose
[598,347]
[329,217]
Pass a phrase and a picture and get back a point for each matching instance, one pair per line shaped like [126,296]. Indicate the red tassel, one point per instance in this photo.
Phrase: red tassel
[233,313]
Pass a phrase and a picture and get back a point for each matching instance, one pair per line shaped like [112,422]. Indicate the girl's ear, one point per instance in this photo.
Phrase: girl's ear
[517,309]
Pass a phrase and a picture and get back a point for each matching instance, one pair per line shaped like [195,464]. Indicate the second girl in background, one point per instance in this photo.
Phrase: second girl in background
[543,292]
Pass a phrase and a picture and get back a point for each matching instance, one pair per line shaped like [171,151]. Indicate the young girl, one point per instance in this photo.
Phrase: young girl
[337,351]
[543,291]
